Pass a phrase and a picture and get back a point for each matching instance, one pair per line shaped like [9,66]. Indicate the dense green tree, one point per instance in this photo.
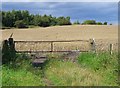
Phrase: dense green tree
[26,17]
[45,21]
[91,22]
[99,23]
[21,18]
[20,24]
[76,22]
[105,23]
[53,20]
[37,20]
[63,21]
[7,19]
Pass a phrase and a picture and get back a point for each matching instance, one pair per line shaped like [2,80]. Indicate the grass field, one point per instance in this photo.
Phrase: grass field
[90,70]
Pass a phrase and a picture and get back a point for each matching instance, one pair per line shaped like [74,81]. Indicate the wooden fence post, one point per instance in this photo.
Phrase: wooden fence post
[111,48]
[92,45]
[51,46]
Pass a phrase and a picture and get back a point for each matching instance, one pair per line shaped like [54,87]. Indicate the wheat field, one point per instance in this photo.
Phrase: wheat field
[103,34]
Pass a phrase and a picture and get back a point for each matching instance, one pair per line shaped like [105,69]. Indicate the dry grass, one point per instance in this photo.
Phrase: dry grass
[71,74]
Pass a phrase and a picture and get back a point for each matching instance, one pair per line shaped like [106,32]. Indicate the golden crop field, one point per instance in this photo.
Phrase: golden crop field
[103,34]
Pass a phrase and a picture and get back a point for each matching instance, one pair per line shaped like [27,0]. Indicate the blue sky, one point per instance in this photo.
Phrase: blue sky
[99,11]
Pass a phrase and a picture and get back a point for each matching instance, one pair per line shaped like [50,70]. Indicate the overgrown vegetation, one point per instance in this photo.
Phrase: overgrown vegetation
[20,24]
[8,51]
[103,63]
[90,70]
[21,73]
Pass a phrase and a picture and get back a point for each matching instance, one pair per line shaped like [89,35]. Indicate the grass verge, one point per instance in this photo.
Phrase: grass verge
[91,70]
[21,73]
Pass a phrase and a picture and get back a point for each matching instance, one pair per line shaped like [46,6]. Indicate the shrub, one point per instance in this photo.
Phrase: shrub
[20,24]
[105,23]
[8,51]
[76,22]
[99,23]
[89,22]
[5,52]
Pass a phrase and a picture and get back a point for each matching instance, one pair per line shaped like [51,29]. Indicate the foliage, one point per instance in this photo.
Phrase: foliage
[76,22]
[5,52]
[21,74]
[89,22]
[20,24]
[105,23]
[8,51]
[102,63]
[98,61]
[99,23]
[22,18]
[91,70]
[63,21]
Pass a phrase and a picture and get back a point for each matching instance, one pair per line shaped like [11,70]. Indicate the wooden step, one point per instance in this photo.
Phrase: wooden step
[39,62]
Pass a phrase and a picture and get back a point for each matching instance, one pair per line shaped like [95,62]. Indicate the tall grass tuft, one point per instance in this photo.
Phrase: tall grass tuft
[71,74]
[102,63]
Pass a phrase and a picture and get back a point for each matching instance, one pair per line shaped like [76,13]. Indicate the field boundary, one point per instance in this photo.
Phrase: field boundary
[52,45]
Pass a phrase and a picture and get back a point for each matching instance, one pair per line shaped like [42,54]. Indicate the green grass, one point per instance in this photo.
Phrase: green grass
[103,63]
[21,74]
[70,74]
[0,76]
[91,70]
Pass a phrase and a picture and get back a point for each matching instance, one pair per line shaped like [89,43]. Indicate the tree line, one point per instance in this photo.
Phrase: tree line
[90,22]
[23,19]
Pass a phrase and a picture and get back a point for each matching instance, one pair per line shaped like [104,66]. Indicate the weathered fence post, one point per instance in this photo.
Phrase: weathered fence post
[111,48]
[92,45]
[51,46]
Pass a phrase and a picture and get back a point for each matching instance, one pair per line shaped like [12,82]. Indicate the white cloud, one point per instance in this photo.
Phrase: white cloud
[60,1]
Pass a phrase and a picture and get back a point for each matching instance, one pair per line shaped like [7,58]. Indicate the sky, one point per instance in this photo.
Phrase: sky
[99,11]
